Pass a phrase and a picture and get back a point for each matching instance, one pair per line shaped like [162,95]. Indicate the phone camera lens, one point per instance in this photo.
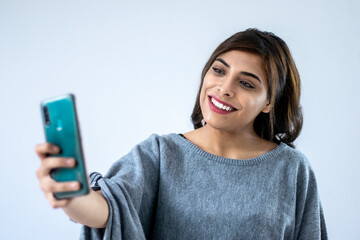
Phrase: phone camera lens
[46,115]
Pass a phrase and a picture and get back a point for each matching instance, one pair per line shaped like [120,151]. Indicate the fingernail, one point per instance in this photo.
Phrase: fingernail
[74,185]
[55,148]
[69,161]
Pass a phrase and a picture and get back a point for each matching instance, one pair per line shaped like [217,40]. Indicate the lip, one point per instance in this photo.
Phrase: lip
[213,96]
[217,110]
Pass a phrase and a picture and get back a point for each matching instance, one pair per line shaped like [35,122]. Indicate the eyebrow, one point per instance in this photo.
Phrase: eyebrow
[242,72]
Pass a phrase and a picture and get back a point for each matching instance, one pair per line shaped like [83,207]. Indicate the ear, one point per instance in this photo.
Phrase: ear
[267,108]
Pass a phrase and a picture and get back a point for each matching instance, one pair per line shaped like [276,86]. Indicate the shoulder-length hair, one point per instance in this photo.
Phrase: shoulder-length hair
[284,122]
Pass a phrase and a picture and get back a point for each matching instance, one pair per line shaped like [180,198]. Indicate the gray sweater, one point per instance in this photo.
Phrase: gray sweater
[168,188]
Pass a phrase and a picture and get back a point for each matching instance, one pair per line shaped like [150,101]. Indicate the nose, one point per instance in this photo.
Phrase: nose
[226,87]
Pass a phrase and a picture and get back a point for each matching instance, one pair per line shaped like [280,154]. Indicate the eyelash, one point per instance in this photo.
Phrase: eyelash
[218,71]
[221,72]
[246,84]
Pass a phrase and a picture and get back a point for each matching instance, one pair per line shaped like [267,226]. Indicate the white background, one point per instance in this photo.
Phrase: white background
[135,68]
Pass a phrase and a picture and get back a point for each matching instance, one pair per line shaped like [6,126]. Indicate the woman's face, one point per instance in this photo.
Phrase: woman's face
[234,92]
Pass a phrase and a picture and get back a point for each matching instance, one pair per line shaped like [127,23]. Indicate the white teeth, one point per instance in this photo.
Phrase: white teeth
[221,106]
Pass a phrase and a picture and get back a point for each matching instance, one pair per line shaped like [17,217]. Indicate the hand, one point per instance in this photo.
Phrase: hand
[48,185]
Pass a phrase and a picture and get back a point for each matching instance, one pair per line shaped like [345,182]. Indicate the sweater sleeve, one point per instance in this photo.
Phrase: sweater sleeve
[310,221]
[130,189]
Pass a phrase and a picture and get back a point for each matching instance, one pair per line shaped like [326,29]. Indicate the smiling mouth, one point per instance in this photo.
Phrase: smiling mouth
[221,106]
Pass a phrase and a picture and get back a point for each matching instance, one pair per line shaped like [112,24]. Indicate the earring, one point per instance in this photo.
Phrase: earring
[203,122]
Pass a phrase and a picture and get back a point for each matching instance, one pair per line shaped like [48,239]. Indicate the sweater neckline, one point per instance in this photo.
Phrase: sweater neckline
[251,161]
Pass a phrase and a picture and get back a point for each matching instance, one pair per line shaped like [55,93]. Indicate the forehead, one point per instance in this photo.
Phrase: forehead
[244,61]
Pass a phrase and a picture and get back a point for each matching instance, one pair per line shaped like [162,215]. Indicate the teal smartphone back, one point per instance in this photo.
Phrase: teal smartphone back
[62,129]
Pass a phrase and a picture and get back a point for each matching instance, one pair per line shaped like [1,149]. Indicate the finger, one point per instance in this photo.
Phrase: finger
[49,185]
[44,149]
[56,203]
[54,162]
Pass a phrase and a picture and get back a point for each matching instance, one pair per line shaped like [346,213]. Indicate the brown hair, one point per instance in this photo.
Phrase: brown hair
[284,122]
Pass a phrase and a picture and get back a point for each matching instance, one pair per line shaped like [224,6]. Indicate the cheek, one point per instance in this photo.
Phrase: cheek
[254,104]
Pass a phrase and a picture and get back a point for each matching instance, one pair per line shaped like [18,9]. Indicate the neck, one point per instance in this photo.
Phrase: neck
[235,145]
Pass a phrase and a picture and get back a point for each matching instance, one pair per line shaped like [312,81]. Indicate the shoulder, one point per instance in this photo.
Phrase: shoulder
[147,154]
[294,155]
[156,139]
[298,162]
[159,143]
[301,164]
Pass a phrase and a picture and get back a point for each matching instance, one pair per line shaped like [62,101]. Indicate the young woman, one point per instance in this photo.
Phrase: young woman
[236,176]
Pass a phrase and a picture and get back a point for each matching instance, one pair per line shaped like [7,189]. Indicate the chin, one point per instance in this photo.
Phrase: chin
[220,126]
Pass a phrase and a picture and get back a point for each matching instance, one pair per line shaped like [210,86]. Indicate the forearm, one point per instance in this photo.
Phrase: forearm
[91,210]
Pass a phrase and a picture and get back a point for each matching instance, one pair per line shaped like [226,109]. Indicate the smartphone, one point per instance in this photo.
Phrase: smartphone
[61,127]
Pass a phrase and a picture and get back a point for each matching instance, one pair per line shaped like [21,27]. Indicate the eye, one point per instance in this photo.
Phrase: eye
[246,84]
[218,71]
